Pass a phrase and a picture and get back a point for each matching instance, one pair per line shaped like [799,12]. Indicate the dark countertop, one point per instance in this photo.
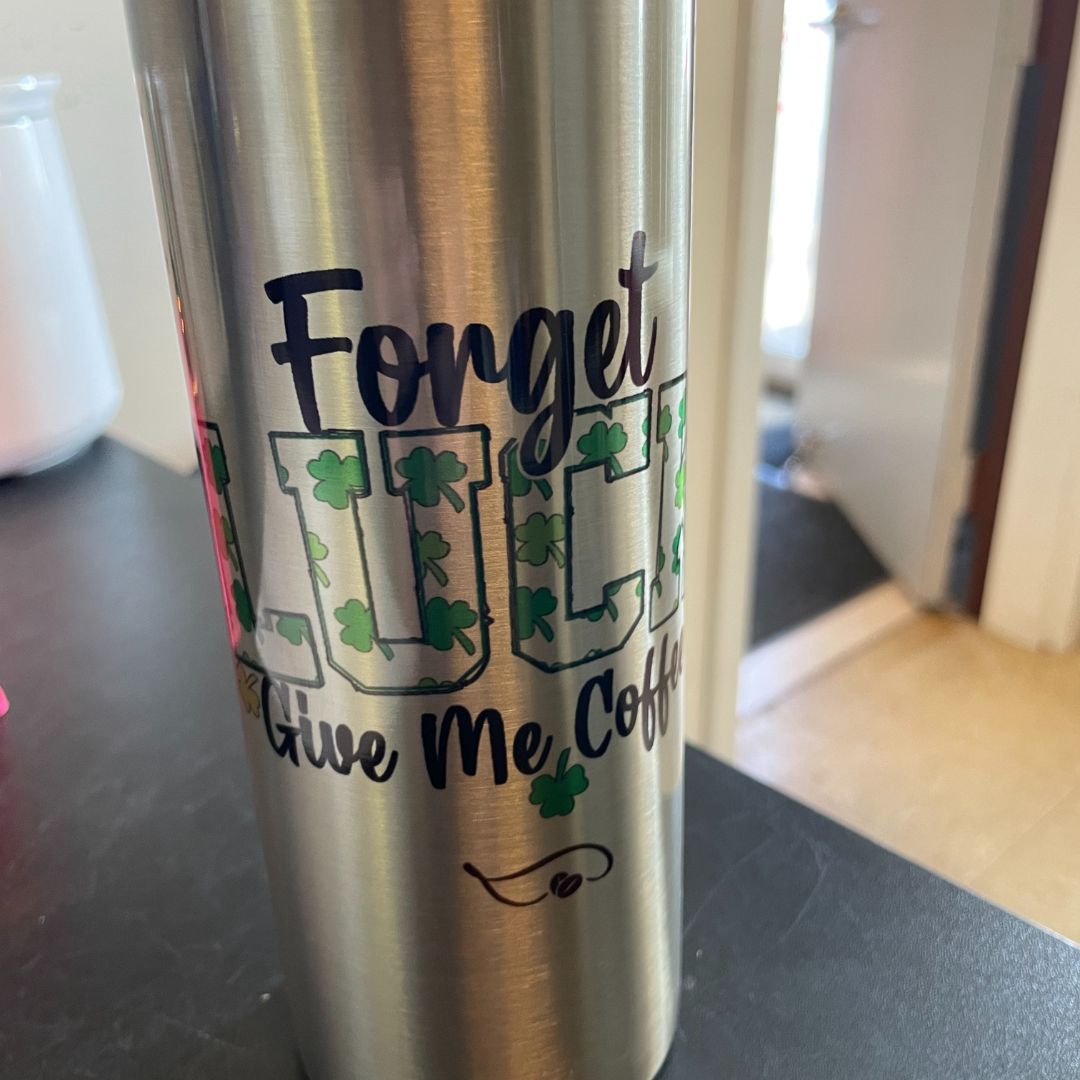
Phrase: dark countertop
[136,936]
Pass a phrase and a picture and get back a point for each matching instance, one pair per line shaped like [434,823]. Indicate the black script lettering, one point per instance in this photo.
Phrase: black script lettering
[541,387]
[626,705]
[299,348]
[286,746]
[527,741]
[447,369]
[646,707]
[654,697]
[633,279]
[601,342]
[372,754]
[527,394]
[604,683]
[435,736]
[336,745]
[405,372]
[676,663]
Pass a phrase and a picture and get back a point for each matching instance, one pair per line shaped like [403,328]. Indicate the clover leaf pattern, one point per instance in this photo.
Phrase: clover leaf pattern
[606,609]
[442,640]
[532,607]
[218,468]
[666,587]
[245,613]
[540,538]
[247,682]
[337,478]
[602,444]
[358,628]
[318,552]
[432,549]
[226,540]
[556,795]
[664,427]
[447,623]
[430,477]
[293,628]
[520,484]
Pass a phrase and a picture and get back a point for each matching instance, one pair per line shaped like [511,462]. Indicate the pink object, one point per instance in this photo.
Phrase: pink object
[4,704]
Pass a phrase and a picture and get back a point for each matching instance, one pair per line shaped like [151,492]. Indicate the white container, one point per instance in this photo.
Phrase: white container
[59,386]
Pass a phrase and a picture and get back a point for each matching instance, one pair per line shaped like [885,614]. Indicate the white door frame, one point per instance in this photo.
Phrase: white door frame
[1032,594]
[736,83]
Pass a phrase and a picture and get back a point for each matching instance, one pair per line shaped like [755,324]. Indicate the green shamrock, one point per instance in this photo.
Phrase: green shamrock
[540,537]
[292,628]
[520,484]
[432,549]
[318,551]
[337,478]
[676,562]
[661,559]
[600,445]
[219,468]
[555,795]
[531,607]
[430,476]
[245,613]
[680,485]
[662,430]
[606,608]
[446,621]
[282,476]
[682,417]
[228,540]
[358,628]
[665,422]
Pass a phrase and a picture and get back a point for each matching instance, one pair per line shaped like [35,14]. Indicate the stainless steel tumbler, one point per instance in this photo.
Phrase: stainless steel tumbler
[430,266]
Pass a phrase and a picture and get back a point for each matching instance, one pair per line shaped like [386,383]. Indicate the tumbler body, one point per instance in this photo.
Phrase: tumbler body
[430,266]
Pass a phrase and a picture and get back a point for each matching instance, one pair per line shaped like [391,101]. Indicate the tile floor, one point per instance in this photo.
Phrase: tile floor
[950,747]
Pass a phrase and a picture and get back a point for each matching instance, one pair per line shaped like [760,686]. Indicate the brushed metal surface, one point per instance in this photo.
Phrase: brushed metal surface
[472,160]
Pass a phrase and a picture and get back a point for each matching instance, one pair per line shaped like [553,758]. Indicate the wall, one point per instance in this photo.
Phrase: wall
[85,43]
[1033,582]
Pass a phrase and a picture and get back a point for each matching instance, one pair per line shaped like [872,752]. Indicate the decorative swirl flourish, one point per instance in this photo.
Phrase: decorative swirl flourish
[561,886]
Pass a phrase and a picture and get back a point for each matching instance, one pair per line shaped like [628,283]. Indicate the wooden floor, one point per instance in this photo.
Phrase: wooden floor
[954,749]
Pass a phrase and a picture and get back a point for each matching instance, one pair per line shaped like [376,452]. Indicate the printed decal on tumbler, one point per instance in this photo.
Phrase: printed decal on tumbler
[282,640]
[568,608]
[665,589]
[589,503]
[439,640]
[586,862]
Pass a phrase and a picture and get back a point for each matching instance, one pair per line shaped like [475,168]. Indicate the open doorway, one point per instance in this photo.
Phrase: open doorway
[810,558]
[893,145]
[908,212]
